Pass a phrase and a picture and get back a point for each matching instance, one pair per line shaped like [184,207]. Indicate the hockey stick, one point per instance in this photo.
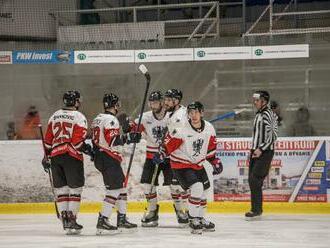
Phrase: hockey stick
[48,171]
[145,72]
[227,115]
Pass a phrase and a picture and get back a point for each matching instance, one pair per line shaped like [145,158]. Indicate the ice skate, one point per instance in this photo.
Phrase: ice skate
[182,217]
[104,227]
[73,228]
[123,224]
[208,226]
[150,219]
[196,226]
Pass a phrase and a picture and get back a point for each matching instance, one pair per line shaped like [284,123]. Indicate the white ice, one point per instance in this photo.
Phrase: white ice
[231,231]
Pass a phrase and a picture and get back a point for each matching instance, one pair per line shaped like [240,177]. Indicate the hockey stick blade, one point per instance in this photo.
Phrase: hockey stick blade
[143,69]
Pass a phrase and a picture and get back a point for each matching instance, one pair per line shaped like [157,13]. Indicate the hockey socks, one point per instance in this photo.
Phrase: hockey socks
[109,202]
[151,196]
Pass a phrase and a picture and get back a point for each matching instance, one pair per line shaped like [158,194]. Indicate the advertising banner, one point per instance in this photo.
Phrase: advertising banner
[222,53]
[299,170]
[43,57]
[279,52]
[164,55]
[104,56]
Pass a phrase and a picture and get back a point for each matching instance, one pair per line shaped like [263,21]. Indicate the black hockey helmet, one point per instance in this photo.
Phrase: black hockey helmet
[78,96]
[110,100]
[261,94]
[174,93]
[70,98]
[196,106]
[155,96]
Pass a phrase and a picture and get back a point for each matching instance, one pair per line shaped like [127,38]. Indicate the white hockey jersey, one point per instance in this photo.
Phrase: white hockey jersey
[105,129]
[189,148]
[66,132]
[153,131]
[177,119]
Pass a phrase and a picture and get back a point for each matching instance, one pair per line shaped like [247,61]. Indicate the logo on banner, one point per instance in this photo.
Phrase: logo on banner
[319,163]
[42,57]
[313,181]
[315,175]
[81,56]
[4,59]
[201,54]
[142,56]
[317,169]
[63,56]
[258,52]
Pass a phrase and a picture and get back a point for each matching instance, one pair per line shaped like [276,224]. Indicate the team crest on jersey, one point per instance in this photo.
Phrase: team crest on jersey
[157,133]
[197,147]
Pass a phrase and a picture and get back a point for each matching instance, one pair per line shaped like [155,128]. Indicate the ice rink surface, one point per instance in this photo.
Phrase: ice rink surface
[231,231]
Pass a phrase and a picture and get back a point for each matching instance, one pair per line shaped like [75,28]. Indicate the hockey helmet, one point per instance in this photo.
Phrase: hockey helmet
[155,96]
[110,100]
[174,93]
[70,98]
[195,106]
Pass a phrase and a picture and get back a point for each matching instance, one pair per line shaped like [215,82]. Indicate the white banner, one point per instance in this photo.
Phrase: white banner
[222,53]
[104,56]
[6,57]
[279,52]
[192,54]
[164,55]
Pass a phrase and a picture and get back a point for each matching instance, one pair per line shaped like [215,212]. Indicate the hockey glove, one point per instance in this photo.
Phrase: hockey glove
[133,137]
[124,122]
[157,159]
[46,164]
[162,152]
[217,167]
[88,150]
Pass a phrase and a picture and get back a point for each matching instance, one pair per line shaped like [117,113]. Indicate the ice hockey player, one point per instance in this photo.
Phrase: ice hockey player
[189,146]
[107,141]
[65,142]
[177,118]
[154,126]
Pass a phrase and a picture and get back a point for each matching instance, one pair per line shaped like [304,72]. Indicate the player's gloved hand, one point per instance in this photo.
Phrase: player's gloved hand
[157,159]
[88,150]
[133,137]
[124,122]
[46,163]
[217,167]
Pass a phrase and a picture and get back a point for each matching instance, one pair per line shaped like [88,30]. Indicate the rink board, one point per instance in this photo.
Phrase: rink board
[166,207]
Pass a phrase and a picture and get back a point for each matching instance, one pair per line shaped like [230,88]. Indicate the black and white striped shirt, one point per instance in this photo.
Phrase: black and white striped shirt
[264,130]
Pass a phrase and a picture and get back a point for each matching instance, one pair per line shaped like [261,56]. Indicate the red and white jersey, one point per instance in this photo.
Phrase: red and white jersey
[177,119]
[105,129]
[153,131]
[66,133]
[189,148]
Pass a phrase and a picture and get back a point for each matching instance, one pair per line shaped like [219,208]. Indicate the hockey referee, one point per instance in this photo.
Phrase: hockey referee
[262,152]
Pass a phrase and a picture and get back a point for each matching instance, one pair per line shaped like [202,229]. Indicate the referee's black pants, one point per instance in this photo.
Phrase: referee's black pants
[258,171]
